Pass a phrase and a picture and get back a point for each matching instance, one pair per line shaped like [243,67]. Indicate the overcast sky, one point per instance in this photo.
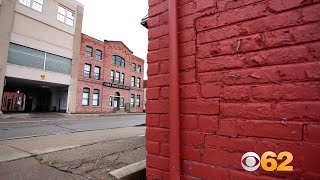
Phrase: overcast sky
[118,20]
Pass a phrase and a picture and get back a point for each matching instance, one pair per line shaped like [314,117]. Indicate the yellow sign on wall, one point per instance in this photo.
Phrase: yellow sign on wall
[43,77]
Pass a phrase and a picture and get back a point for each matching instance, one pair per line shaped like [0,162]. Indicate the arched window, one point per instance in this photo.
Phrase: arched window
[118,60]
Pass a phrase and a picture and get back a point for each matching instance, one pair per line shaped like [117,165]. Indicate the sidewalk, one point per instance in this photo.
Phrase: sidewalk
[20,148]
[82,155]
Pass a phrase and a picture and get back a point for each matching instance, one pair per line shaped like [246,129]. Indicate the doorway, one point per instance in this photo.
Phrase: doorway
[116,102]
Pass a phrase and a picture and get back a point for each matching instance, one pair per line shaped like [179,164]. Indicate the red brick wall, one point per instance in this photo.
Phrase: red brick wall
[249,78]
[108,49]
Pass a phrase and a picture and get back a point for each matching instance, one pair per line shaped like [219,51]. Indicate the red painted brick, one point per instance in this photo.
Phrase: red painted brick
[158,55]
[191,106]
[158,162]
[164,93]
[187,36]
[154,174]
[220,63]
[187,62]
[165,150]
[230,4]
[157,134]
[311,133]
[188,76]
[156,32]
[211,90]
[300,72]
[187,49]
[189,153]
[165,121]
[209,123]
[252,76]
[186,9]
[237,93]
[311,152]
[153,68]
[153,147]
[154,106]
[301,91]
[281,5]
[189,91]
[189,122]
[159,80]
[232,16]
[153,120]
[219,157]
[208,172]
[203,4]
[153,93]
[277,38]
[301,111]
[247,110]
[260,128]
[192,138]
[240,175]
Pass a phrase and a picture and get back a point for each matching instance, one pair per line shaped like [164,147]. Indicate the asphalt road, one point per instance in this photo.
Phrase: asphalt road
[29,127]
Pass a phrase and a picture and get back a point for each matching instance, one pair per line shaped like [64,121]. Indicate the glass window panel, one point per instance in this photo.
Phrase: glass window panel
[60,18]
[70,15]
[61,10]
[85,102]
[25,2]
[69,22]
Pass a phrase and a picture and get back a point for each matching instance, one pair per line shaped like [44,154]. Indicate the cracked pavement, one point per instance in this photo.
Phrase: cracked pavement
[84,153]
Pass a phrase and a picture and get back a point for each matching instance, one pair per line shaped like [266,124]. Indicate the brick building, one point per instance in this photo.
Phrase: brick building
[249,81]
[110,77]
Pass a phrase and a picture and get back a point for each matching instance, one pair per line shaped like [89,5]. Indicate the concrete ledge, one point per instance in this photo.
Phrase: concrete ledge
[124,172]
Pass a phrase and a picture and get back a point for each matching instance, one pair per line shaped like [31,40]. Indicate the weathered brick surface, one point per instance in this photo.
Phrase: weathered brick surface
[249,81]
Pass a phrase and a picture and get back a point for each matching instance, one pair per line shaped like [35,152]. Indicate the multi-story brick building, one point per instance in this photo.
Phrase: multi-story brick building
[110,77]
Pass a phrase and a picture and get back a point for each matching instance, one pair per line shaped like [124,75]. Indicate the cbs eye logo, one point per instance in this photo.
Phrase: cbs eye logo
[250,161]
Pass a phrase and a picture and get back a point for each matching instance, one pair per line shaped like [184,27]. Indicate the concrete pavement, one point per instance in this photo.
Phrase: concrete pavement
[48,125]
[82,147]
[15,149]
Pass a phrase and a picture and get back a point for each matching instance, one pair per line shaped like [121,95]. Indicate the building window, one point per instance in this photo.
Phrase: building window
[85,96]
[139,68]
[97,71]
[25,2]
[122,78]
[117,78]
[65,15]
[133,81]
[134,67]
[112,76]
[122,102]
[138,82]
[99,54]
[95,98]
[36,4]
[89,51]
[118,61]
[87,71]
[110,101]
[138,101]
[132,100]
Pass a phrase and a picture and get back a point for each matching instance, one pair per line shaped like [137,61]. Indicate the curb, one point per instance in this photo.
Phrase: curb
[124,172]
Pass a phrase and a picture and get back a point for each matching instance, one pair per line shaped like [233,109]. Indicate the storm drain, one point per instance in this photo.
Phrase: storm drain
[136,171]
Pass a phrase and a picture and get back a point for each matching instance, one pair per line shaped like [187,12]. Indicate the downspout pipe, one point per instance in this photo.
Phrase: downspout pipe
[174,104]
